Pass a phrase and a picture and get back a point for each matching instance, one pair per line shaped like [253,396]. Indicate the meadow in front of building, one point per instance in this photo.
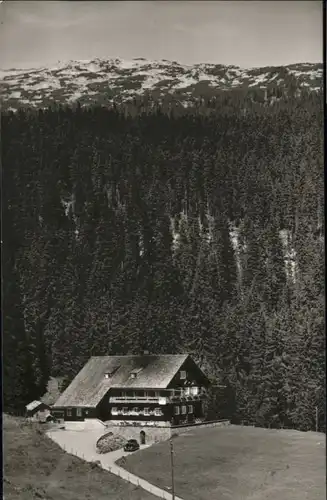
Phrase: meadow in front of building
[238,463]
[37,468]
[229,463]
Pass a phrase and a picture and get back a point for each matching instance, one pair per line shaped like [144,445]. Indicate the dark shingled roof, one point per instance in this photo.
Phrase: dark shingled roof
[90,385]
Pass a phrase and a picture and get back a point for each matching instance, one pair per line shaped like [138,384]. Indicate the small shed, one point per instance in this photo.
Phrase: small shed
[38,411]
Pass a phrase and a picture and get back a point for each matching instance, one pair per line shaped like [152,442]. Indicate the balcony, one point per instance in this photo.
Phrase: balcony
[131,413]
[135,399]
[170,397]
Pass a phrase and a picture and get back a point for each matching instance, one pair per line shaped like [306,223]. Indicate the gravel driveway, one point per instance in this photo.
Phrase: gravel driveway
[83,444]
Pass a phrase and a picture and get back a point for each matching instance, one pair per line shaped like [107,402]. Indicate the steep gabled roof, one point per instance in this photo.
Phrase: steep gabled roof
[90,385]
[33,405]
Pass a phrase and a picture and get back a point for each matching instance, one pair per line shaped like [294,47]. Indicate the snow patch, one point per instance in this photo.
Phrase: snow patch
[234,235]
[38,86]
[15,95]
[262,78]
[93,67]
[141,245]
[289,254]
[75,96]
[67,205]
[179,77]
[184,81]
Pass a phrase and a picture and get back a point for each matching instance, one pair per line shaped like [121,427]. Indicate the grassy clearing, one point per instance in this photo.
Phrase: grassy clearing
[36,468]
[238,463]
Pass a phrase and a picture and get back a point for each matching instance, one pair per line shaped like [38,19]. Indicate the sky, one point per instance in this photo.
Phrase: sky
[244,33]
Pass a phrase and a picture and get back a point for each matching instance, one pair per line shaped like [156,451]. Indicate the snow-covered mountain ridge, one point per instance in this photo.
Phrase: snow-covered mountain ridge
[101,80]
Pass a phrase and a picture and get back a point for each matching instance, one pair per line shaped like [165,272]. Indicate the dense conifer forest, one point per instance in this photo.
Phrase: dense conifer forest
[171,230]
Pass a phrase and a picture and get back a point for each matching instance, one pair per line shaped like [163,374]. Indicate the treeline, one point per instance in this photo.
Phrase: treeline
[170,231]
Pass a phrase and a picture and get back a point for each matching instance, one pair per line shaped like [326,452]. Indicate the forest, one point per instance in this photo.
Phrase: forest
[139,227]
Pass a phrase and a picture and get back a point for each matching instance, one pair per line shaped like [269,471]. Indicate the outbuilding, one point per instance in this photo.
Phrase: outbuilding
[38,411]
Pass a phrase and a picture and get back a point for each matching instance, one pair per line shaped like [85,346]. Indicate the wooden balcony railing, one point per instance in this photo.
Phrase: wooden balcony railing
[137,413]
[161,400]
[133,399]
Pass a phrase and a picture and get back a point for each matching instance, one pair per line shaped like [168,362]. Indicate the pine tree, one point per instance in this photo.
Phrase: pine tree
[19,386]
[93,266]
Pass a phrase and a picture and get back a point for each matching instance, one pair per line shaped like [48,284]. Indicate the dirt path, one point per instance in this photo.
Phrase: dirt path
[83,445]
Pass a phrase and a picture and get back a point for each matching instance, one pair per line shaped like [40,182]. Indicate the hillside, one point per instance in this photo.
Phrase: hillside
[127,228]
[99,81]
[36,468]
[238,463]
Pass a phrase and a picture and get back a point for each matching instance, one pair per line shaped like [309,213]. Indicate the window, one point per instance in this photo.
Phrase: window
[183,410]
[114,410]
[176,410]
[135,409]
[190,408]
[69,412]
[183,374]
[157,411]
[125,410]
[134,373]
[151,394]
[195,391]
[79,412]
[123,393]
[146,411]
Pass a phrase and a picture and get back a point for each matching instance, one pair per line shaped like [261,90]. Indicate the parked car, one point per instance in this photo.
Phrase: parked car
[131,445]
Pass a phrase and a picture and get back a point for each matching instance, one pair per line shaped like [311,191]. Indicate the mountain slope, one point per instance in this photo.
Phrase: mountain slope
[100,80]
